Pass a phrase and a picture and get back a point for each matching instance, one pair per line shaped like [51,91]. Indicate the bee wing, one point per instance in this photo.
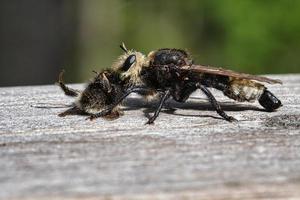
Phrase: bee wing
[230,73]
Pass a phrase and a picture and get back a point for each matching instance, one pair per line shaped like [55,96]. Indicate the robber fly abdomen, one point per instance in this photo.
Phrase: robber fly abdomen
[241,89]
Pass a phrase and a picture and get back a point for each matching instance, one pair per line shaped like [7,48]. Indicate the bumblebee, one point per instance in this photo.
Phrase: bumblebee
[171,73]
[103,90]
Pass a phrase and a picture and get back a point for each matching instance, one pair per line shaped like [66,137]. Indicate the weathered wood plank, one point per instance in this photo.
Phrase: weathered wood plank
[187,154]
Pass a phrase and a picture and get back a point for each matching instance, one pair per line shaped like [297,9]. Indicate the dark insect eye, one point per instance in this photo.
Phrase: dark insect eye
[128,62]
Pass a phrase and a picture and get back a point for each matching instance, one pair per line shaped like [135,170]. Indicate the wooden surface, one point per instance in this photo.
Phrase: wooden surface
[188,154]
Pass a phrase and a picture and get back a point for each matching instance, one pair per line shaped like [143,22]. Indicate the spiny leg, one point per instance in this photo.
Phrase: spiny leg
[166,95]
[68,91]
[215,103]
[109,108]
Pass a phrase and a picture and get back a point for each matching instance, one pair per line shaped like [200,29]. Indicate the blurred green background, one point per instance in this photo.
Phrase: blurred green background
[39,38]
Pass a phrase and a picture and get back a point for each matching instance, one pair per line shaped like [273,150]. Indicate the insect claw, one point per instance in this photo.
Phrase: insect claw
[231,119]
[91,118]
[61,115]
[149,122]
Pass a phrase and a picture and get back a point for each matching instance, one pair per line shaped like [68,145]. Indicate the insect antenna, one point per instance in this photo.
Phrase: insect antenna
[95,72]
[123,47]
[51,105]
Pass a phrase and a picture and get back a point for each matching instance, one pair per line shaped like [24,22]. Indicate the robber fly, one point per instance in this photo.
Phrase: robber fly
[171,73]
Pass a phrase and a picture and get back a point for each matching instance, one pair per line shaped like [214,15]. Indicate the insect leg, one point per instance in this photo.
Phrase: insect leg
[215,103]
[165,96]
[109,108]
[71,111]
[68,91]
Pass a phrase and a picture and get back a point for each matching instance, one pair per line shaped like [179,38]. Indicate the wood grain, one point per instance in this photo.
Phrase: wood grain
[189,153]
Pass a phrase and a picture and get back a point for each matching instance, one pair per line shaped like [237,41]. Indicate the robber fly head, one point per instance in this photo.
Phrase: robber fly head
[130,64]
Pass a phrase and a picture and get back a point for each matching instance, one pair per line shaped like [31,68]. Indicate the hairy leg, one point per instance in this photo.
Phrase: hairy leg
[68,91]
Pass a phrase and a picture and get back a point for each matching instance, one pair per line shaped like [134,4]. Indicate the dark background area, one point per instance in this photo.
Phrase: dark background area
[39,38]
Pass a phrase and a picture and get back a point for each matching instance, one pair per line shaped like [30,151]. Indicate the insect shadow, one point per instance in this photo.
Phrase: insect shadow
[171,106]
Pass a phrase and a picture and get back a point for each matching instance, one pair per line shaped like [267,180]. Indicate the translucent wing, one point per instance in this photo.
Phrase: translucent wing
[230,73]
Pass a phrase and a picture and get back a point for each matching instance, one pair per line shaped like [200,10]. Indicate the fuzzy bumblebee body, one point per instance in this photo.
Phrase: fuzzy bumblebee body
[98,93]
[103,90]
[171,73]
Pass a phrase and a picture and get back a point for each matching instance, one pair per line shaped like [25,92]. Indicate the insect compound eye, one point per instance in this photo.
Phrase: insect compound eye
[128,62]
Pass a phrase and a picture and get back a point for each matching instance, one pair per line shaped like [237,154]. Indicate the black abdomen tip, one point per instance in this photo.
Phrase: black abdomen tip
[269,101]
